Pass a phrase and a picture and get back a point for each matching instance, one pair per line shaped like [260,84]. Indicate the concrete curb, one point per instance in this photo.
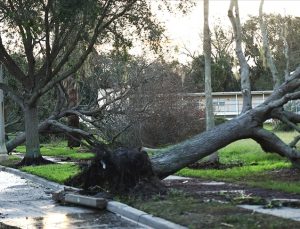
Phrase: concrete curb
[121,209]
[140,216]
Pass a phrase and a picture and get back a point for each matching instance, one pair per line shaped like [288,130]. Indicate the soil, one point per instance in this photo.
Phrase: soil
[33,161]
[214,165]
[205,190]
[285,174]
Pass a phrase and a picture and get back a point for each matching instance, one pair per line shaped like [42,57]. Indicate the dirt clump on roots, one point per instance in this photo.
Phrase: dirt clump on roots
[125,171]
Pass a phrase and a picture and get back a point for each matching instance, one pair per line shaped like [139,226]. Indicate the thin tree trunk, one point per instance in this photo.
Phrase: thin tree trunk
[266,48]
[244,71]
[286,52]
[209,113]
[73,120]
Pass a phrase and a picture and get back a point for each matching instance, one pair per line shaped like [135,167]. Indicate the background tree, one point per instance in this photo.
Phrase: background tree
[282,30]
[244,67]
[47,33]
[222,62]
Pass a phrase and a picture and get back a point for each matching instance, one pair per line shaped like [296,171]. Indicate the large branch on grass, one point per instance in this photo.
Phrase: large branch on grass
[247,125]
[180,155]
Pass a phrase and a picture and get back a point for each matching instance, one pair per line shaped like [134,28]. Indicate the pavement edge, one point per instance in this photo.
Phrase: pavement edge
[116,207]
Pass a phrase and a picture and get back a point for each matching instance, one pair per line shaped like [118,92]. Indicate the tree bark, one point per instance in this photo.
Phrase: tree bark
[32,133]
[200,146]
[244,71]
[209,113]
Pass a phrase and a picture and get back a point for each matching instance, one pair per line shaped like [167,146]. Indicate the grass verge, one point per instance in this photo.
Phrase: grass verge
[54,172]
[194,213]
[60,151]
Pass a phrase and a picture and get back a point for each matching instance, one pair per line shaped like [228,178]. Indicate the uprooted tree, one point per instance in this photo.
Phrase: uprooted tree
[44,73]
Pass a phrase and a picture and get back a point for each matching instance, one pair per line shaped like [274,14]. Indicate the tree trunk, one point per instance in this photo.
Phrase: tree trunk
[179,156]
[73,139]
[33,154]
[209,113]
[247,125]
[244,71]
[73,120]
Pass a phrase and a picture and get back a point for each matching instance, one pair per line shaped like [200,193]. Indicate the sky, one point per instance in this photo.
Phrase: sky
[184,31]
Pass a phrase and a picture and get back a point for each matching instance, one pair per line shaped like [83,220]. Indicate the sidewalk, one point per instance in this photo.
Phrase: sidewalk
[26,204]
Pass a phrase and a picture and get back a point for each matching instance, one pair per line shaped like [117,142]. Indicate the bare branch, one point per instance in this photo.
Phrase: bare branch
[245,81]
[266,48]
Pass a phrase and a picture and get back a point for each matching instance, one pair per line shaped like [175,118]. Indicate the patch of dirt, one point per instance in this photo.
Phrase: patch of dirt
[214,165]
[33,161]
[292,174]
[205,190]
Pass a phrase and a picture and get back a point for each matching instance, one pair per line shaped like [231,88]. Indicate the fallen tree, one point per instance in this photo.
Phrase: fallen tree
[119,164]
[123,164]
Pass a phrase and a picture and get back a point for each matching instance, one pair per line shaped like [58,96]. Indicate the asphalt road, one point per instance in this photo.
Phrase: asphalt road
[28,205]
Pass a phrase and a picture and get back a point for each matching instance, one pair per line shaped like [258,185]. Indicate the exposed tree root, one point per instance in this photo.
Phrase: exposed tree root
[124,171]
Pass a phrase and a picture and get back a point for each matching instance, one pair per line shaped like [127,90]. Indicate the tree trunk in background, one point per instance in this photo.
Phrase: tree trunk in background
[286,53]
[244,67]
[266,48]
[73,120]
[209,113]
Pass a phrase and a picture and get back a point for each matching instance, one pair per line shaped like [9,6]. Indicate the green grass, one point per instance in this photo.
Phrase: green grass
[59,151]
[233,174]
[55,172]
[267,182]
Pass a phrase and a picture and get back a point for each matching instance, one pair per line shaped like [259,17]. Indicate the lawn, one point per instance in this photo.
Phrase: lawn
[55,172]
[60,150]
